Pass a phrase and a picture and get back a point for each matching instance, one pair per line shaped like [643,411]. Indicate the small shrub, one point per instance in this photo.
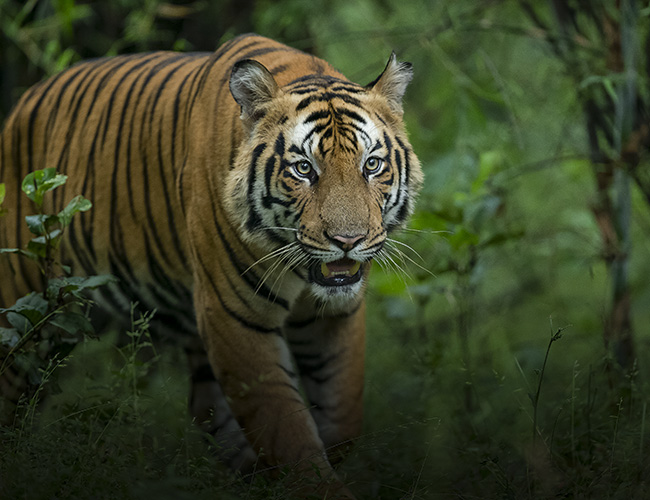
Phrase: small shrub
[45,324]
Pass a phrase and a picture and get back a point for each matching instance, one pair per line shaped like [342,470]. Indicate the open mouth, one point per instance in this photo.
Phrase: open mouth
[338,273]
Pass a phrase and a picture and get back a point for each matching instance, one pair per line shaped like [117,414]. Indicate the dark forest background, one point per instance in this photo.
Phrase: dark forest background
[510,359]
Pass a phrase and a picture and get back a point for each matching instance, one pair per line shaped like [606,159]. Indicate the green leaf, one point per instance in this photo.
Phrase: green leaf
[502,237]
[9,337]
[76,284]
[490,163]
[76,205]
[20,251]
[37,248]
[39,244]
[463,238]
[65,59]
[31,301]
[51,237]
[92,282]
[39,224]
[19,322]
[39,182]
[26,312]
[72,323]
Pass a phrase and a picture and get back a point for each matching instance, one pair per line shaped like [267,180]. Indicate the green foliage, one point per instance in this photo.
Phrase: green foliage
[47,228]
[41,30]
[36,184]
[45,325]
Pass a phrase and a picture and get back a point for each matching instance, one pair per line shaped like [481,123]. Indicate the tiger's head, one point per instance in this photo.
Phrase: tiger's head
[324,173]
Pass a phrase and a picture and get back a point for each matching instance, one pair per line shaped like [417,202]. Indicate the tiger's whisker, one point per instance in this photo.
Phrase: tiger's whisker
[288,256]
[293,261]
[397,242]
[424,231]
[403,271]
[275,253]
[404,257]
[280,228]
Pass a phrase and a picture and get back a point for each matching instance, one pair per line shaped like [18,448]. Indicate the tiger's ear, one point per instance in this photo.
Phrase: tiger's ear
[392,83]
[252,85]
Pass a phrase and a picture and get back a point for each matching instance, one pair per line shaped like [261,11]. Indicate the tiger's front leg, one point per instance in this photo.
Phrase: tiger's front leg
[211,412]
[252,363]
[329,353]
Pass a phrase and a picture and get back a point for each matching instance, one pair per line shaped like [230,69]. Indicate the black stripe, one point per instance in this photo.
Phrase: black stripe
[317,115]
[171,223]
[165,282]
[242,321]
[263,51]
[175,116]
[407,167]
[126,282]
[276,70]
[351,88]
[403,185]
[303,323]
[234,143]
[87,261]
[290,373]
[309,364]
[327,97]
[267,199]
[254,220]
[305,90]
[350,114]
[203,373]
[279,145]
[319,80]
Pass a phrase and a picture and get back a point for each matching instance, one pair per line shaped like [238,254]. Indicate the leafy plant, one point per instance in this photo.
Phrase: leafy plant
[46,325]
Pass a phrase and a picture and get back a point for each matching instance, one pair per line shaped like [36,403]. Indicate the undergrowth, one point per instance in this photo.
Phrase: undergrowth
[120,429]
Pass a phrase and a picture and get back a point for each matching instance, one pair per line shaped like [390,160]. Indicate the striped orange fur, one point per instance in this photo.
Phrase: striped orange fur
[243,194]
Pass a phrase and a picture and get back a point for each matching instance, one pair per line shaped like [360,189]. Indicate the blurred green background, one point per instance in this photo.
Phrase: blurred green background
[531,122]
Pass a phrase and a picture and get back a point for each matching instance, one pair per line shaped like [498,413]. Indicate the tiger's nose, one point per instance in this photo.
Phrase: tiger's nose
[346,241]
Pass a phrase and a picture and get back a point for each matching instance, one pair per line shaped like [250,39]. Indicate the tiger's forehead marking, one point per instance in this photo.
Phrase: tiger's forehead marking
[331,115]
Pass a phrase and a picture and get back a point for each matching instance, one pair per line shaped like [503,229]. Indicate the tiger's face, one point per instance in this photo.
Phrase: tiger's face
[325,173]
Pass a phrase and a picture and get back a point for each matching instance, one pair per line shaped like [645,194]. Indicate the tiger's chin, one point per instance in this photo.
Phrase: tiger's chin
[337,282]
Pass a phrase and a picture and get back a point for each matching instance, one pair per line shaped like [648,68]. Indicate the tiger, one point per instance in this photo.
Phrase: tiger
[243,194]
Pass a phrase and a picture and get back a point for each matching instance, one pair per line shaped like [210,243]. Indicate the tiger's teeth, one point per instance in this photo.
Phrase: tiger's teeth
[327,272]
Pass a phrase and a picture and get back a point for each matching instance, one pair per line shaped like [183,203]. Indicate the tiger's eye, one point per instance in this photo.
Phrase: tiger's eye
[303,168]
[373,165]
